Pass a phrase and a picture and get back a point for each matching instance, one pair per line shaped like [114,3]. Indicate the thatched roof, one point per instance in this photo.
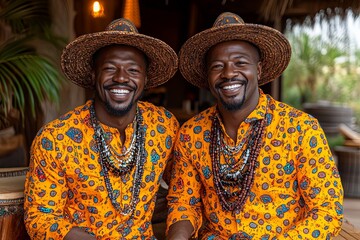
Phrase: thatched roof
[298,10]
[273,12]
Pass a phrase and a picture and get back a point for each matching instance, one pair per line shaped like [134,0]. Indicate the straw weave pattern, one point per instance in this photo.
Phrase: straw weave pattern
[77,56]
[274,49]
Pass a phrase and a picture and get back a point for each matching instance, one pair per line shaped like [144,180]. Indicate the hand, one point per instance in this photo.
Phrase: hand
[180,231]
[78,234]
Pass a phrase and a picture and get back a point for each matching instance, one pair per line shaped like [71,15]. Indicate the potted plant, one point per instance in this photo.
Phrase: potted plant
[27,77]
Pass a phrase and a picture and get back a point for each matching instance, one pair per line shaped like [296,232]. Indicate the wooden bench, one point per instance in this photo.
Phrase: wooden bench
[348,231]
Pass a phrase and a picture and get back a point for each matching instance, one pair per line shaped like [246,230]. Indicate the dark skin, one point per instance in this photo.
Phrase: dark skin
[78,234]
[233,73]
[119,73]
[233,70]
[120,78]
[180,231]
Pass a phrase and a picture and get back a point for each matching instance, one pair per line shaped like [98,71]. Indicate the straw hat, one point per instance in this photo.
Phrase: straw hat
[275,50]
[76,59]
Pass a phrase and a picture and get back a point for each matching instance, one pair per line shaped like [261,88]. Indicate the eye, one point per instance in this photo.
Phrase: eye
[134,70]
[109,68]
[240,63]
[215,67]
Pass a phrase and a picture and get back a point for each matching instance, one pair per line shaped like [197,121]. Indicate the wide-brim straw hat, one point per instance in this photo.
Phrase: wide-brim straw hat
[76,59]
[275,50]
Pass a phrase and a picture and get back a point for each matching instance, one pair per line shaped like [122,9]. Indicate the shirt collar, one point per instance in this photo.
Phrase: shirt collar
[260,109]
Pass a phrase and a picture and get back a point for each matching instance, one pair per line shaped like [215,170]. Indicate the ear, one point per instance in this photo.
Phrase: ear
[146,80]
[93,76]
[259,70]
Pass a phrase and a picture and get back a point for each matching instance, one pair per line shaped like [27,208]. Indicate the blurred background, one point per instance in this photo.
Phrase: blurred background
[323,77]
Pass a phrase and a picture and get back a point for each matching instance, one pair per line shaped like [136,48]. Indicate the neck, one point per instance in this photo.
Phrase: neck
[233,119]
[119,122]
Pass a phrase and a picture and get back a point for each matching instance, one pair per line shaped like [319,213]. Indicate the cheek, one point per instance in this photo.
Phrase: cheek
[96,78]
[138,86]
[212,88]
[98,89]
[252,74]
[99,84]
[210,84]
[211,78]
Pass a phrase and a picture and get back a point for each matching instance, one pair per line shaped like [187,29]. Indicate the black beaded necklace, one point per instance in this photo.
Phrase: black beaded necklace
[107,160]
[235,174]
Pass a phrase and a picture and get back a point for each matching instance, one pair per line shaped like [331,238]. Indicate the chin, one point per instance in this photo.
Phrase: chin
[118,111]
[233,105]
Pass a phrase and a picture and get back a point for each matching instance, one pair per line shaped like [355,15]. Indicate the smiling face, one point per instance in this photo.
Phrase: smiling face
[233,70]
[120,78]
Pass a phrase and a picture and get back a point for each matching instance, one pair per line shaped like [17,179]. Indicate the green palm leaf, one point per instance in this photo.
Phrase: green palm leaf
[24,16]
[27,78]
[25,75]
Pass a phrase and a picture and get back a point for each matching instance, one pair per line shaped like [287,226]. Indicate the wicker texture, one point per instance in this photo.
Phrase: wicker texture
[274,48]
[76,58]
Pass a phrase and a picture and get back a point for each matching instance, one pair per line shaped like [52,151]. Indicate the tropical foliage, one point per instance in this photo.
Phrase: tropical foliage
[27,78]
[324,65]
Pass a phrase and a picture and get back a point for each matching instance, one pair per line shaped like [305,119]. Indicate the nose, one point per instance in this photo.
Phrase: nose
[121,76]
[228,71]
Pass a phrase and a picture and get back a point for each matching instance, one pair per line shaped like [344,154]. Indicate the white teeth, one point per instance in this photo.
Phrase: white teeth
[232,86]
[119,91]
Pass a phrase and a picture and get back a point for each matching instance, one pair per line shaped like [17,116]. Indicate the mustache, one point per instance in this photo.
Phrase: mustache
[114,85]
[234,79]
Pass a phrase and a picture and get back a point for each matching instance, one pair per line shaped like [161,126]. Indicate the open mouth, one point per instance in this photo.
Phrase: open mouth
[119,93]
[232,87]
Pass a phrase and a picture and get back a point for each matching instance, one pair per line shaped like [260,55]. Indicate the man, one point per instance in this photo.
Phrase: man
[250,167]
[95,171]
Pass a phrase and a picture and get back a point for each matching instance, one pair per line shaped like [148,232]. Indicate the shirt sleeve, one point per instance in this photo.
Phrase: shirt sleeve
[45,192]
[169,164]
[320,186]
[185,187]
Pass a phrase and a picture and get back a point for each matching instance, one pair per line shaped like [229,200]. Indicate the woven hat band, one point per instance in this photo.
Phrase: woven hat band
[122,25]
[228,18]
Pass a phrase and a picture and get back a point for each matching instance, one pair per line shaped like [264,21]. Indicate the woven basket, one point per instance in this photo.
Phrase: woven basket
[349,168]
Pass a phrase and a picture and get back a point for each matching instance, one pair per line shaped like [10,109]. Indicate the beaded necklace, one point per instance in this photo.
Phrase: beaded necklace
[235,174]
[134,156]
[119,164]
[133,139]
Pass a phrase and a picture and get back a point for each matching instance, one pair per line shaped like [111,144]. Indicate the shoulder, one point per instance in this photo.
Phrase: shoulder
[289,113]
[199,123]
[157,114]
[76,118]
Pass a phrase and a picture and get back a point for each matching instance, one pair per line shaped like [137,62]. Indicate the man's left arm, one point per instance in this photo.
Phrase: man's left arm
[320,186]
[169,142]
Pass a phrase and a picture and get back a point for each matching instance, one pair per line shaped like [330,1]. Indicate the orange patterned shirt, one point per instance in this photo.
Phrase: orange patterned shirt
[296,193]
[65,188]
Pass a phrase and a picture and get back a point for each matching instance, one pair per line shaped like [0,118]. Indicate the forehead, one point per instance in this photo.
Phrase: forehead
[233,46]
[112,50]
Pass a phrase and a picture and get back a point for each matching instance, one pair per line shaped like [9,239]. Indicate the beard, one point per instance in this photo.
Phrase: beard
[235,104]
[120,112]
